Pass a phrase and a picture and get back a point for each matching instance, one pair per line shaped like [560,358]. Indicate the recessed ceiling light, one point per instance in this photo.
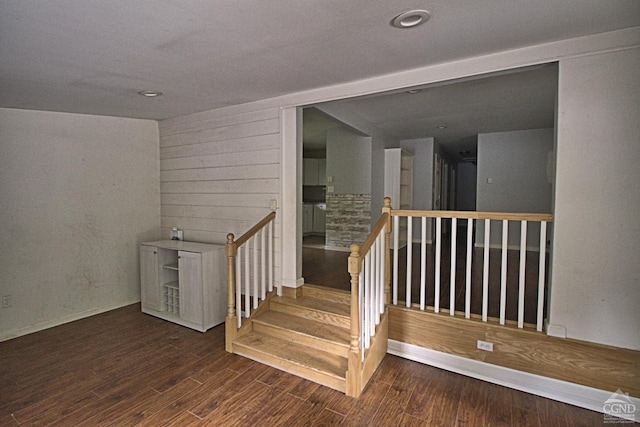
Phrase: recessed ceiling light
[413,91]
[441,127]
[411,18]
[150,93]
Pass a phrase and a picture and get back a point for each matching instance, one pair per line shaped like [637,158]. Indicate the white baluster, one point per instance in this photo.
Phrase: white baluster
[263,267]
[239,286]
[409,260]
[467,298]
[452,282]
[247,280]
[503,271]
[541,274]
[255,279]
[271,237]
[485,270]
[396,226]
[380,276]
[423,263]
[523,264]
[436,302]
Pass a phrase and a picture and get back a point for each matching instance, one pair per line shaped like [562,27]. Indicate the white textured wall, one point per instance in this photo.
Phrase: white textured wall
[422,150]
[78,193]
[349,161]
[516,164]
[595,294]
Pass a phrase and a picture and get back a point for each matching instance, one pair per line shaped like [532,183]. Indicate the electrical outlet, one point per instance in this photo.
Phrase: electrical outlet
[485,345]
[7,301]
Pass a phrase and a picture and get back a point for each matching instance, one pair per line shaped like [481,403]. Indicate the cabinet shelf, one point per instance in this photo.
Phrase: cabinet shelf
[171,267]
[171,285]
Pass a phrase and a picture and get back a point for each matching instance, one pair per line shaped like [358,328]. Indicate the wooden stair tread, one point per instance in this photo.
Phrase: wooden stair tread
[323,292]
[324,331]
[308,362]
[318,304]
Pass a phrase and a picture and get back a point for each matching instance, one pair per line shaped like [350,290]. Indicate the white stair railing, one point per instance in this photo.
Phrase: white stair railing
[471,219]
[250,273]
[367,268]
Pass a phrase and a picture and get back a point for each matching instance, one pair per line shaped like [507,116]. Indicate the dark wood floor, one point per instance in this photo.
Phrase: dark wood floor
[125,368]
[329,268]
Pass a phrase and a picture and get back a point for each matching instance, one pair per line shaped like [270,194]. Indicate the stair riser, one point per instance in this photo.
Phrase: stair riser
[330,318]
[300,338]
[293,368]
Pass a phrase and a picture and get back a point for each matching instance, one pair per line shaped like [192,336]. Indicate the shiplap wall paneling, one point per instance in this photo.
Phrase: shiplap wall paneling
[218,174]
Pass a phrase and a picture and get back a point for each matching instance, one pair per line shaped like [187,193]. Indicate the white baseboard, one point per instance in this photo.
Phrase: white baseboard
[62,320]
[562,391]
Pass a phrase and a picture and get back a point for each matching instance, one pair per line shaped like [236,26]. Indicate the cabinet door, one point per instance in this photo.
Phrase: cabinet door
[190,279]
[150,291]
[319,219]
[307,218]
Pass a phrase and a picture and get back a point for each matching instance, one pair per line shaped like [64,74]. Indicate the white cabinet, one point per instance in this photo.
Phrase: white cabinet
[184,282]
[314,171]
[307,218]
[398,184]
[319,218]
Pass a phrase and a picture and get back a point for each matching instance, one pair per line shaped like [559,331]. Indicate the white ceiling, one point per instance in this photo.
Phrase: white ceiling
[515,100]
[94,56]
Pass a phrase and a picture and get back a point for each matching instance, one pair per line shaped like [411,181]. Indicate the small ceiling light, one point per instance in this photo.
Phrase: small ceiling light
[150,93]
[414,91]
[441,127]
[411,19]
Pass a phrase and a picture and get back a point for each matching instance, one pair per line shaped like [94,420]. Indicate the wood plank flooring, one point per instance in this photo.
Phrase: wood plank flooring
[125,368]
[329,268]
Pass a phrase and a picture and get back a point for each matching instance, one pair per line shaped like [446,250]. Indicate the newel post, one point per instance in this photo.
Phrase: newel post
[354,370]
[231,328]
[386,209]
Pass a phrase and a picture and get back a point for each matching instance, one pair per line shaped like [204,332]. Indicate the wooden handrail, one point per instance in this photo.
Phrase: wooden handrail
[512,216]
[253,230]
[364,248]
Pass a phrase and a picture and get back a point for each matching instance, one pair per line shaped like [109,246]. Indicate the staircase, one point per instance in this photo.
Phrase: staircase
[307,336]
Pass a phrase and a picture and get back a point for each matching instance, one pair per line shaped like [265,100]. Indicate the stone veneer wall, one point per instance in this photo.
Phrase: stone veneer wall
[348,220]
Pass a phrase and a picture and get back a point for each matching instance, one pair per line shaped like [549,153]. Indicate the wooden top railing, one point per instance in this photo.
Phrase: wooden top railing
[510,216]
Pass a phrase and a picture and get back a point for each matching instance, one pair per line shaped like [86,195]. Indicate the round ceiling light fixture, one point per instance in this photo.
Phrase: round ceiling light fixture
[411,18]
[150,93]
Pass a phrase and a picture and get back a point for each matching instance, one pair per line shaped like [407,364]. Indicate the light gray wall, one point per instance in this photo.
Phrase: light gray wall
[516,165]
[467,182]
[379,141]
[78,193]
[422,150]
[349,161]
[595,292]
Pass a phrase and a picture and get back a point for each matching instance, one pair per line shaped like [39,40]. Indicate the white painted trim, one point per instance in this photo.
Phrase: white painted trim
[62,320]
[562,391]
